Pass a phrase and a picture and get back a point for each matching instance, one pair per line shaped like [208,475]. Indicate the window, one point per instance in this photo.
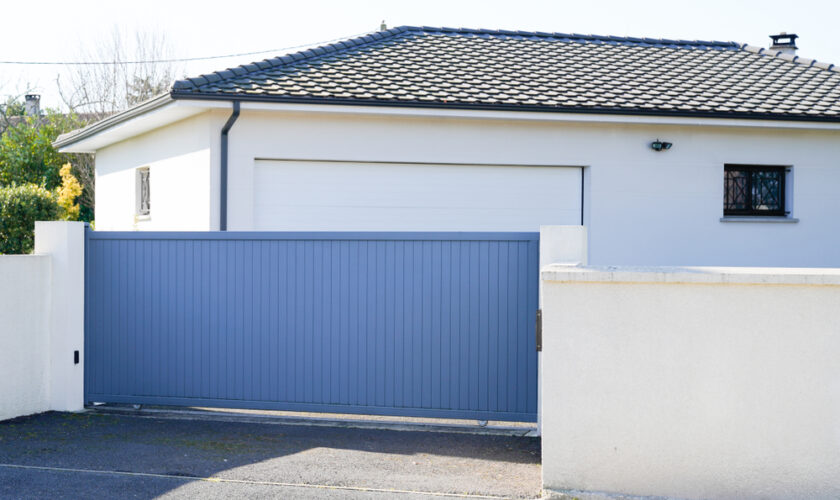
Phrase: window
[754,190]
[143,200]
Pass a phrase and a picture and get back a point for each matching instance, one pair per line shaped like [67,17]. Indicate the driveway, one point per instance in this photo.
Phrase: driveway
[85,455]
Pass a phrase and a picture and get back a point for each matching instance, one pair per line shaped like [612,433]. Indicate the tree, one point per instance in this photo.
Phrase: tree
[136,70]
[28,157]
[26,152]
[11,111]
[36,181]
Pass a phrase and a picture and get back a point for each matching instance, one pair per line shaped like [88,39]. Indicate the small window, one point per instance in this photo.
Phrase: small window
[143,199]
[754,190]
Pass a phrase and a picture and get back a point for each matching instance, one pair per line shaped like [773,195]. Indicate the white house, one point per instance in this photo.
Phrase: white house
[670,152]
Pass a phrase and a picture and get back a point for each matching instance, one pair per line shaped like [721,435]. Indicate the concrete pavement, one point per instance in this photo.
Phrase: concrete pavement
[87,455]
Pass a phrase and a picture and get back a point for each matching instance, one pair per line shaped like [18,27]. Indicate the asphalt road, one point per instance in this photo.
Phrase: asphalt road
[64,455]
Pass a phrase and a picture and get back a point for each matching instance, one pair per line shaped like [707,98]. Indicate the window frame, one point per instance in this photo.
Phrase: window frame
[751,212]
[139,210]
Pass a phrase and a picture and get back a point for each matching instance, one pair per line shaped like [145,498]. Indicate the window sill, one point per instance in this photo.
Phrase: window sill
[758,218]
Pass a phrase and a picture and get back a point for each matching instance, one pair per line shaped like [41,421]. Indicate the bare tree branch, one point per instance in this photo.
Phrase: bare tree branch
[101,90]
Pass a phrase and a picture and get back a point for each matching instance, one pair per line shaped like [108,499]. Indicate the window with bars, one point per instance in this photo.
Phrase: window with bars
[143,199]
[754,190]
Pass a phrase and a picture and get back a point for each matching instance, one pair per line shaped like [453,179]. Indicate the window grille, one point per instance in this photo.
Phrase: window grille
[143,199]
[754,190]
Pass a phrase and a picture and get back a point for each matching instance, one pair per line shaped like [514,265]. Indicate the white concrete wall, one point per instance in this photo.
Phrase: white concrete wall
[700,383]
[180,158]
[64,243]
[42,323]
[24,334]
[641,207]
[558,245]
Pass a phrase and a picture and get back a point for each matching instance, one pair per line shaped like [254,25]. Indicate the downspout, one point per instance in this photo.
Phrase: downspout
[223,184]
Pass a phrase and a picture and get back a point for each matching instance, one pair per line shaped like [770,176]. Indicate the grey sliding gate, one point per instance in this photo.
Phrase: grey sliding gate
[415,324]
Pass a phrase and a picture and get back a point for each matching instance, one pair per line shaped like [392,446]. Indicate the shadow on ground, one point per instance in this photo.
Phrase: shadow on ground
[253,455]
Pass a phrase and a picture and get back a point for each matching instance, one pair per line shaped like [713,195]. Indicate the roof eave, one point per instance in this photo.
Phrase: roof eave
[145,117]
[66,140]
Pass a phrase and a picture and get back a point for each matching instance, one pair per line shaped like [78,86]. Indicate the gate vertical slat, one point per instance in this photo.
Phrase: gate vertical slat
[484,324]
[418,324]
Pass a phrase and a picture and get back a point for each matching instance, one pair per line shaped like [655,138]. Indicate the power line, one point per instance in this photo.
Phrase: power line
[185,59]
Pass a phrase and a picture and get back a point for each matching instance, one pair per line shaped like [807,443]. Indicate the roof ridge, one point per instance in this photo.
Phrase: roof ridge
[790,57]
[573,36]
[188,84]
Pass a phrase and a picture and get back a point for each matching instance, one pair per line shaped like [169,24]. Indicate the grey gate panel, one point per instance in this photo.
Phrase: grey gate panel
[414,324]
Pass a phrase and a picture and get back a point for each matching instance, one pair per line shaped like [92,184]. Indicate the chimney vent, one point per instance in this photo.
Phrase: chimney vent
[32,105]
[784,42]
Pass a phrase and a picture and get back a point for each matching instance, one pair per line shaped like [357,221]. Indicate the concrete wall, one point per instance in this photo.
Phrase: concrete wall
[24,334]
[641,207]
[180,158]
[694,383]
[42,323]
[64,243]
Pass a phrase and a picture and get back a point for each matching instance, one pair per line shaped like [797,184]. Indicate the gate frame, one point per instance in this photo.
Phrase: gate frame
[534,247]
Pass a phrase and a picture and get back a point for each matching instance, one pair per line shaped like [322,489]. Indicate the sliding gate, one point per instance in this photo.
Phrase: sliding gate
[413,324]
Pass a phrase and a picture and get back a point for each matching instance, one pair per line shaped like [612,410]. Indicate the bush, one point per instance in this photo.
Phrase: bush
[68,192]
[20,206]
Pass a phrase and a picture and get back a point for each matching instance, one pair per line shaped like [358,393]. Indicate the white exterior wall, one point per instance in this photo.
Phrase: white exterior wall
[42,323]
[715,383]
[181,159]
[424,141]
[64,243]
[641,207]
[651,208]
[24,334]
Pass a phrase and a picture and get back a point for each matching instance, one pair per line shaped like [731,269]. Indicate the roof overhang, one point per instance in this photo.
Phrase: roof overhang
[145,117]
[166,109]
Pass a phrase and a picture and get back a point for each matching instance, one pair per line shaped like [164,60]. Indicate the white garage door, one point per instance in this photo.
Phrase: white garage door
[353,196]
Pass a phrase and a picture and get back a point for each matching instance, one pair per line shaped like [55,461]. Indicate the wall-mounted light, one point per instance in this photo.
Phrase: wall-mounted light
[658,145]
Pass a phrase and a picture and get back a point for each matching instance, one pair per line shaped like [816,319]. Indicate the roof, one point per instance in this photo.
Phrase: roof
[532,71]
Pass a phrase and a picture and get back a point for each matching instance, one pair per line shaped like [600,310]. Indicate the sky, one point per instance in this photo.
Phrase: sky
[64,30]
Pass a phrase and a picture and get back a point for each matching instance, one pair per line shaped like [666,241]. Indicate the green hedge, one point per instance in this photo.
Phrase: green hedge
[20,207]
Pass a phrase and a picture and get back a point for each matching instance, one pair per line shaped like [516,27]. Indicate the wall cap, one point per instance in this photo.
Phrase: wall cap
[689,275]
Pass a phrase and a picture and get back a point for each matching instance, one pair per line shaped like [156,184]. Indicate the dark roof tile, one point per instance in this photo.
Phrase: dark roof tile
[452,67]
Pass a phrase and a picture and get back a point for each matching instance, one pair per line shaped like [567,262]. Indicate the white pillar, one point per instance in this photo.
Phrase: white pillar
[558,245]
[563,245]
[64,242]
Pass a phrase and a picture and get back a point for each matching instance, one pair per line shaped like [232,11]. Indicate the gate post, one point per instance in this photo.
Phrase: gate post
[558,245]
[64,242]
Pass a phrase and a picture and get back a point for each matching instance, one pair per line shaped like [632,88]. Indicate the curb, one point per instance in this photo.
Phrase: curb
[178,414]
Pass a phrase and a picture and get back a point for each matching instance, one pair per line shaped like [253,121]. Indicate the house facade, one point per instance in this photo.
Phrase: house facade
[670,152]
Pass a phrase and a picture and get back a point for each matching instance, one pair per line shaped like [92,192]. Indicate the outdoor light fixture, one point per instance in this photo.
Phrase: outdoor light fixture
[658,145]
